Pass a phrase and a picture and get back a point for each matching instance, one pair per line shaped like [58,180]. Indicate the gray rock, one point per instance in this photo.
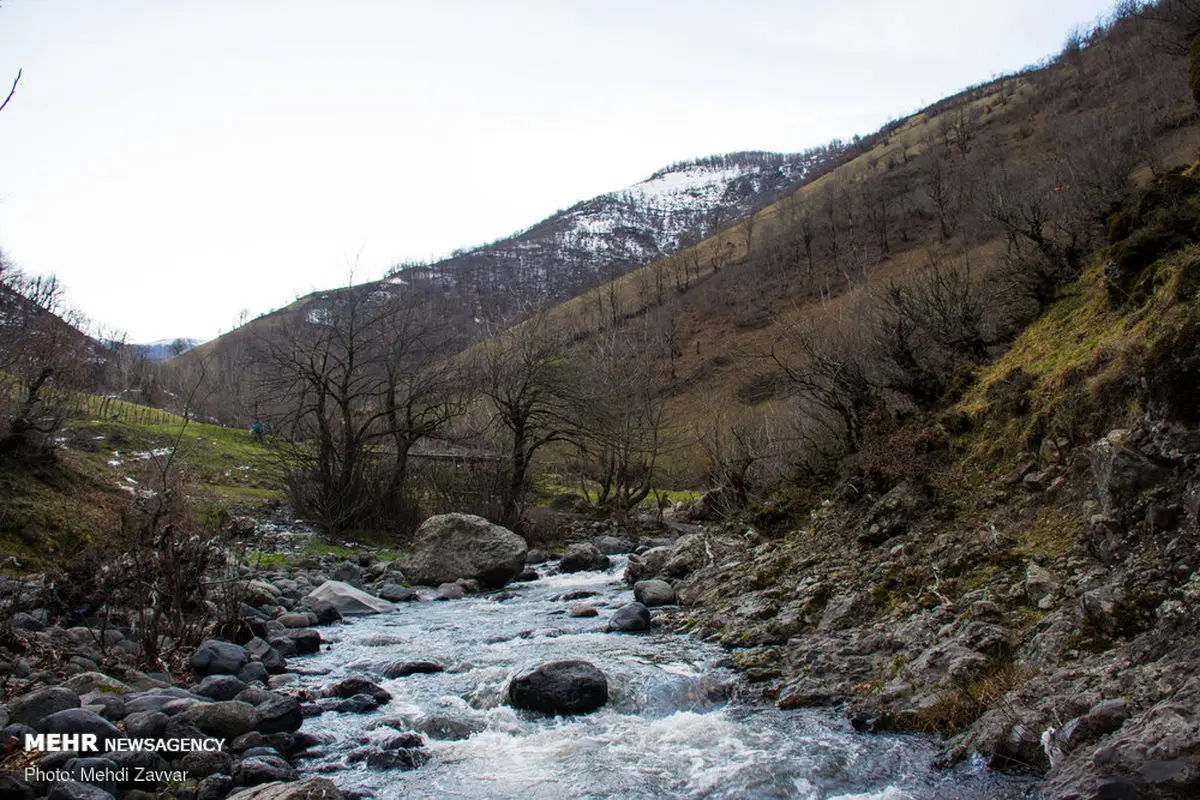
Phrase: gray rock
[201,764]
[260,649]
[630,618]
[71,790]
[452,546]
[305,640]
[891,515]
[262,769]
[355,704]
[324,610]
[538,556]
[109,706]
[350,573]
[92,681]
[582,610]
[32,708]
[308,789]
[299,619]
[78,720]
[279,715]
[255,695]
[145,724]
[450,591]
[282,643]
[219,687]
[357,685]
[395,593]
[254,672]
[449,727]
[583,557]
[647,565]
[215,656]
[654,592]
[560,687]
[80,768]
[181,726]
[218,786]
[402,669]
[225,718]
[1039,583]
[612,545]
[346,599]
[686,556]
[13,787]
[1103,718]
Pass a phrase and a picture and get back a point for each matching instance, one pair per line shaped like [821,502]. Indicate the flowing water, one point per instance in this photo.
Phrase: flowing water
[673,727]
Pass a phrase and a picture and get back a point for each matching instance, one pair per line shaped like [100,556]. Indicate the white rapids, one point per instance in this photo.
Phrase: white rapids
[673,727]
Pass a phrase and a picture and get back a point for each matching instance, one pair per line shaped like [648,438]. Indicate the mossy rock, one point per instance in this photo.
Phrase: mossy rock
[1163,218]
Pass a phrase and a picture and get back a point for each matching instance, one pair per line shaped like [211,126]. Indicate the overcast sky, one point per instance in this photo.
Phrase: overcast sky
[177,161]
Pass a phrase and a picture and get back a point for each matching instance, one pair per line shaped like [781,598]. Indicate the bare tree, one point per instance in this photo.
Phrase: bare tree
[521,372]
[44,358]
[345,381]
[621,418]
[829,371]
[926,328]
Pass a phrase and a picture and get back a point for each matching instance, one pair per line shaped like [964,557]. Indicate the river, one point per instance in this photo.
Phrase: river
[674,726]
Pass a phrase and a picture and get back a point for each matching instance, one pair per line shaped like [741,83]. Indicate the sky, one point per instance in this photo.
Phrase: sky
[180,163]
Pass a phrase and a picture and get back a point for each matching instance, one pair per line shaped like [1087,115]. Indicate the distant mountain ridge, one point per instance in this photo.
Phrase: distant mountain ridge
[606,236]
[586,245]
[165,349]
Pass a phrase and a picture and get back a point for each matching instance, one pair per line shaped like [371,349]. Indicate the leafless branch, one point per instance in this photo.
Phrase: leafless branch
[11,91]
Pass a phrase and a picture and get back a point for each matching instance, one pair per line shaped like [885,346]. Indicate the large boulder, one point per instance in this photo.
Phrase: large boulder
[347,600]
[560,687]
[581,557]
[452,546]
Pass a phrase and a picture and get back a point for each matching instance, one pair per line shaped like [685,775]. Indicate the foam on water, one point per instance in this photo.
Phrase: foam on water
[669,730]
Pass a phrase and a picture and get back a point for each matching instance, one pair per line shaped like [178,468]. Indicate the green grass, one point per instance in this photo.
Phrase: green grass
[228,459]
[548,488]
[1053,534]
[55,506]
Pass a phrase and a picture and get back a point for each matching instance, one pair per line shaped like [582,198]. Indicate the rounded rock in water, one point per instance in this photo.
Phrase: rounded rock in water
[560,687]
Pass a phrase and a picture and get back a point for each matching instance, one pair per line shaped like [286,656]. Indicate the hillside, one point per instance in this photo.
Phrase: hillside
[1008,182]
[486,287]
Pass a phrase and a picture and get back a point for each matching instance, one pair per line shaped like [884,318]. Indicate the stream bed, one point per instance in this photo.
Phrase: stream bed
[673,727]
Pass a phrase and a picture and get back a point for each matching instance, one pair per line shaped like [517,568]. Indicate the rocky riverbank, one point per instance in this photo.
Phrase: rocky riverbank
[1055,635]
[226,723]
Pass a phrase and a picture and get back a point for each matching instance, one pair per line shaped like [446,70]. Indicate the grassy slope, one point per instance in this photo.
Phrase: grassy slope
[57,505]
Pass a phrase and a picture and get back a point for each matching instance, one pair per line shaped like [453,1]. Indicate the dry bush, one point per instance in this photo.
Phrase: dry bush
[151,576]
